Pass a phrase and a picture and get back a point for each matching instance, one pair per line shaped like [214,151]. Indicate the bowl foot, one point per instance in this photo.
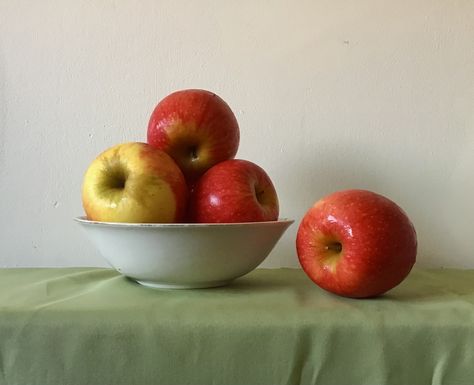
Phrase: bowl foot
[197,285]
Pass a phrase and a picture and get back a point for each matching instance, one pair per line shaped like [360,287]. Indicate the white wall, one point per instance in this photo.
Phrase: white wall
[329,95]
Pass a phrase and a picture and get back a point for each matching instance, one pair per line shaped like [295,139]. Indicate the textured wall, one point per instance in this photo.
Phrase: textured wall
[329,95]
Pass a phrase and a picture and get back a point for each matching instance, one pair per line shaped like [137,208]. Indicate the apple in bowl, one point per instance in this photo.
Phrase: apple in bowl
[233,191]
[134,183]
[356,243]
[196,128]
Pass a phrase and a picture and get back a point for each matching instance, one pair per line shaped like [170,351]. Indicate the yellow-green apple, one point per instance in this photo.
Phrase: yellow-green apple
[234,191]
[197,128]
[134,182]
[356,243]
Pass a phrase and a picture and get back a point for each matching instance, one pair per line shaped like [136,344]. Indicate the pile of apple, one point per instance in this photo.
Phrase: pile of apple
[353,243]
[184,173]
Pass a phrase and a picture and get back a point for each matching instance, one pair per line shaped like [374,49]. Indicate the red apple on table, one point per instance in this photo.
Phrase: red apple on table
[134,182]
[197,128]
[356,243]
[234,191]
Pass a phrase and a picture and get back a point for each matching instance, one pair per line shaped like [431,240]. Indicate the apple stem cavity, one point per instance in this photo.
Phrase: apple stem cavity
[334,246]
[117,179]
[194,154]
[260,195]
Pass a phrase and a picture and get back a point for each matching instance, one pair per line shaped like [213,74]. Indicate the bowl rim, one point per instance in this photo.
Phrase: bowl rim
[279,221]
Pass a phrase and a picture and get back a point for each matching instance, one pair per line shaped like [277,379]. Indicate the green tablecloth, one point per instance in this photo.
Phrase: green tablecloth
[92,326]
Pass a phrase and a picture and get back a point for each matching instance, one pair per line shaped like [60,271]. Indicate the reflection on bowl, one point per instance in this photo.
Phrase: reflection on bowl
[184,255]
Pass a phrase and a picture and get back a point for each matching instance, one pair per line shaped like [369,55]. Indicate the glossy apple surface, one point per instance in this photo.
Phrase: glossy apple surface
[234,191]
[135,183]
[196,128]
[356,243]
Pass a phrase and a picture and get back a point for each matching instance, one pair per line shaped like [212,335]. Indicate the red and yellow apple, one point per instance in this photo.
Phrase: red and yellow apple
[136,183]
[196,128]
[234,191]
[356,243]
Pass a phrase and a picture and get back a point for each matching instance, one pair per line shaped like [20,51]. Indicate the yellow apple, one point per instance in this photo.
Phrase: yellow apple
[135,183]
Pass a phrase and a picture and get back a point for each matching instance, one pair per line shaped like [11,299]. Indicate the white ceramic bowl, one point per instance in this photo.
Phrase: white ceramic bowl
[184,255]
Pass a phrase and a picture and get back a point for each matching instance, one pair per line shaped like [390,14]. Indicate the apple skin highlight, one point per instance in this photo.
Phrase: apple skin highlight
[356,243]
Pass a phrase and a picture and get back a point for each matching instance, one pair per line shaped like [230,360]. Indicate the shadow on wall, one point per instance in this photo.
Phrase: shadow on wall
[316,176]
[324,173]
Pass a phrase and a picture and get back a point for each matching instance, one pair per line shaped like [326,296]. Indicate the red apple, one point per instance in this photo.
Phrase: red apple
[197,128]
[134,182]
[356,243]
[234,191]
